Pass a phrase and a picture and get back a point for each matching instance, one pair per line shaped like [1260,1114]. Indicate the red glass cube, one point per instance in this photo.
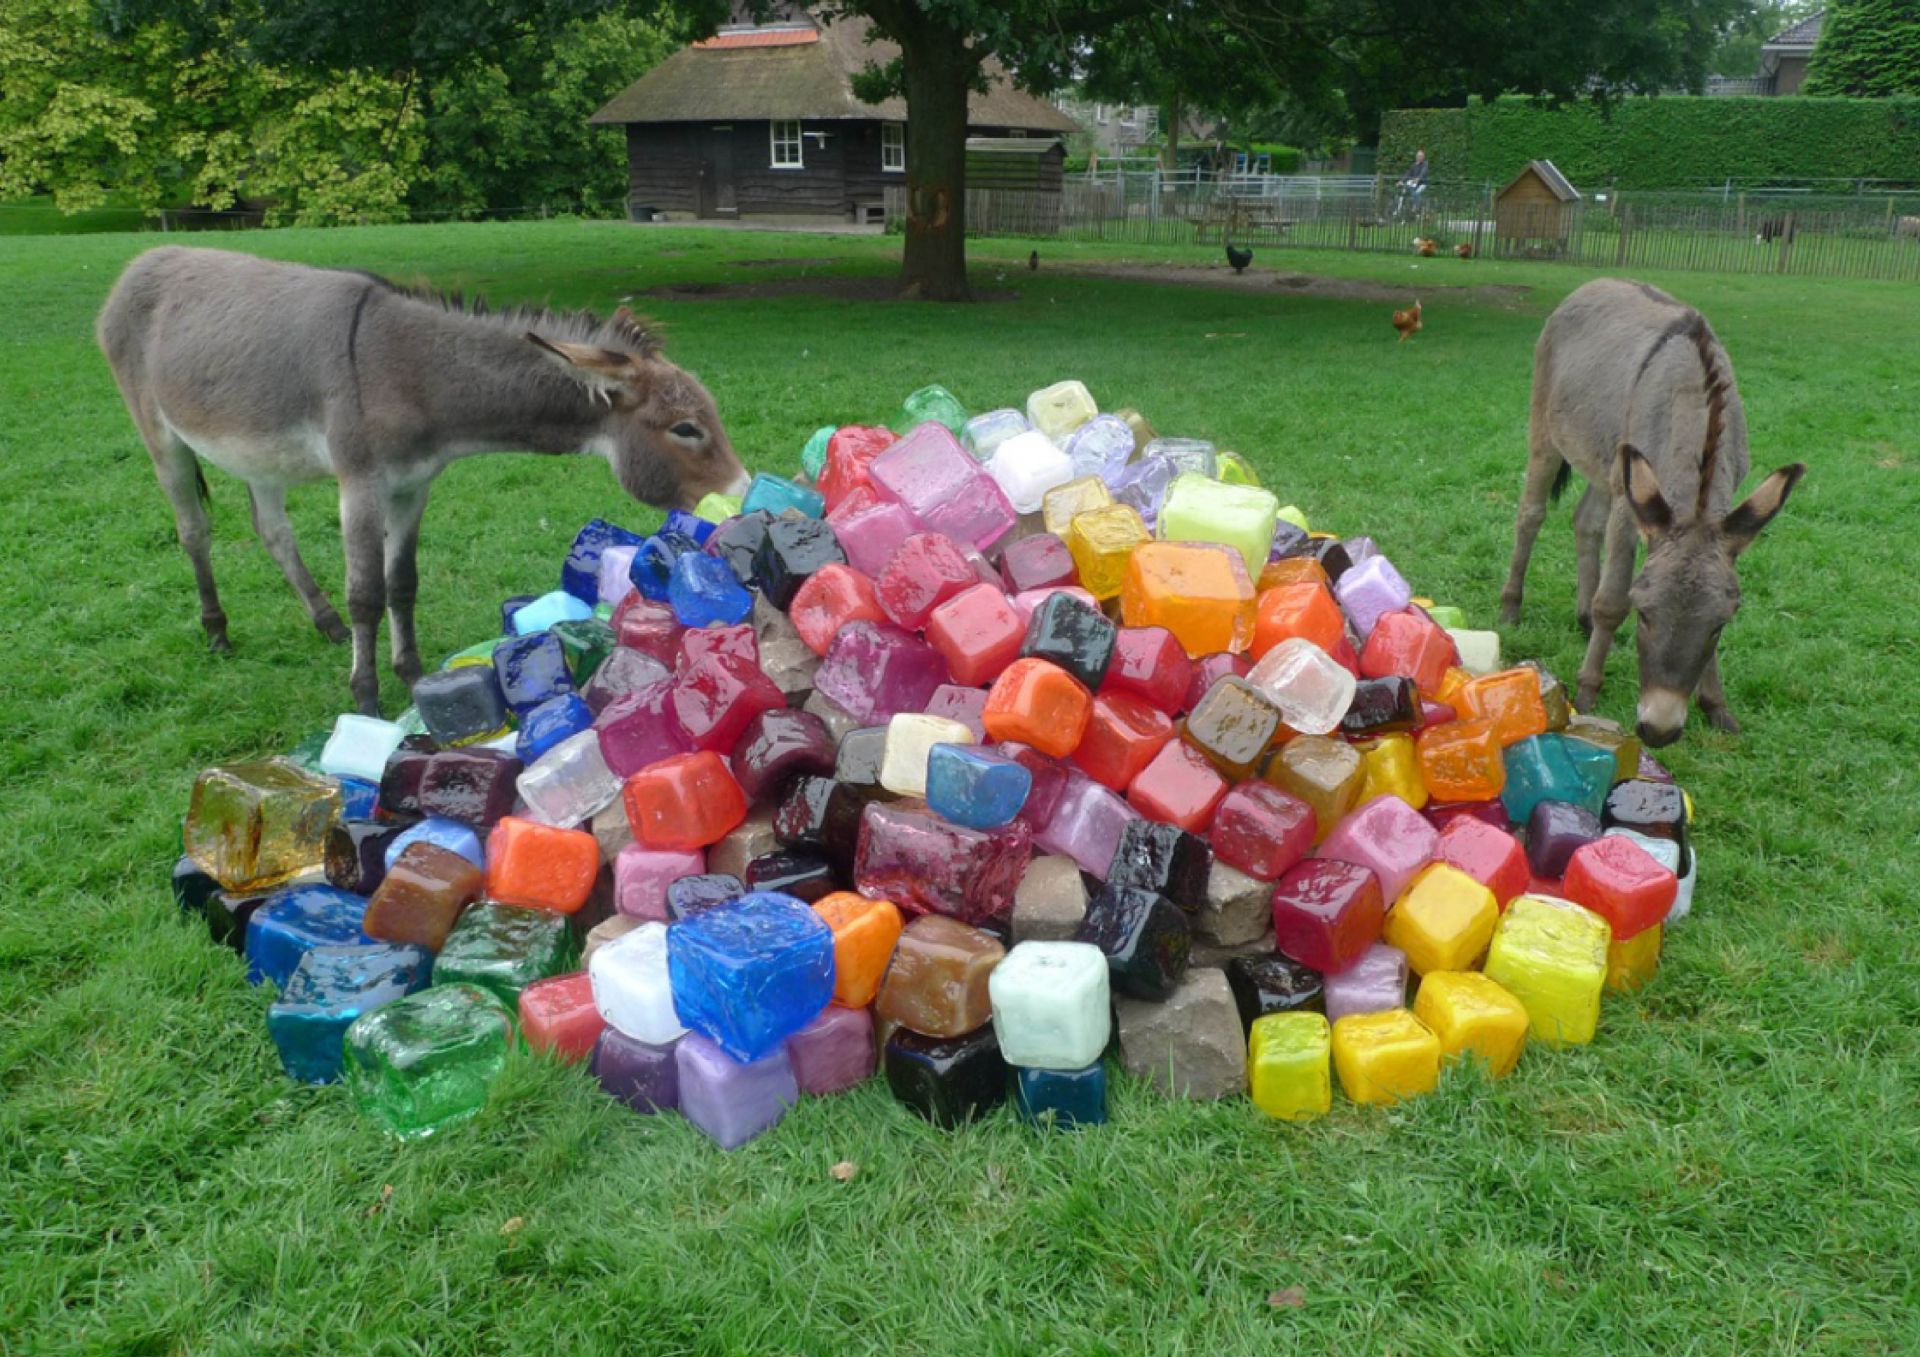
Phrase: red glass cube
[977,633]
[716,698]
[1037,562]
[641,624]
[1621,882]
[1261,830]
[928,569]
[698,642]
[1123,735]
[685,802]
[1409,644]
[831,597]
[558,1014]
[1179,787]
[860,497]
[1326,913]
[1150,664]
[1485,852]
[1210,668]
[850,452]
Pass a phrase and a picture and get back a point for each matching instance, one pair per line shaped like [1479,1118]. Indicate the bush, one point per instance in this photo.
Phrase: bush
[1671,141]
[1868,49]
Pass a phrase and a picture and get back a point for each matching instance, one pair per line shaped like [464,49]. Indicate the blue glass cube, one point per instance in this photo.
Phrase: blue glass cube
[510,606]
[1062,1099]
[1539,768]
[357,798]
[703,591]
[652,567]
[552,721]
[461,704]
[329,989]
[544,611]
[531,669]
[689,524]
[292,921]
[1596,767]
[580,576]
[448,834]
[777,495]
[975,786]
[750,974]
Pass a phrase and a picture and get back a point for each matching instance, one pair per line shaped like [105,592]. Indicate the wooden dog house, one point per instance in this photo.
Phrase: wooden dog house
[1534,214]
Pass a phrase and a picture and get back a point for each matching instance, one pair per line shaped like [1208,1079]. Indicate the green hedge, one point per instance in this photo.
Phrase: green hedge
[1672,141]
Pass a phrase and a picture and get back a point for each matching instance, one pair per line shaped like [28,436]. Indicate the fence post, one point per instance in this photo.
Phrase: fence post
[1740,223]
[1786,243]
[1626,225]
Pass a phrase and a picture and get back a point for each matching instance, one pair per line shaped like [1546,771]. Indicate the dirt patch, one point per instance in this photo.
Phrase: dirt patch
[1223,279]
[836,289]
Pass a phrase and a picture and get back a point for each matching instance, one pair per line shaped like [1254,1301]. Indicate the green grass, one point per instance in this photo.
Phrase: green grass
[37,216]
[1731,1168]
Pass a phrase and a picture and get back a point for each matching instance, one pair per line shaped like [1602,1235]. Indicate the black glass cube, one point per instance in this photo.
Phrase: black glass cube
[356,854]
[1165,859]
[1332,556]
[192,888]
[461,704]
[1274,984]
[1658,809]
[1146,938]
[692,895]
[794,549]
[947,1080]
[1382,706]
[737,542]
[1077,638]
[793,871]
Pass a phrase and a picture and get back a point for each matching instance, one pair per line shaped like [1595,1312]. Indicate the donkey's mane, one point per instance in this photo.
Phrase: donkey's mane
[623,330]
[1714,381]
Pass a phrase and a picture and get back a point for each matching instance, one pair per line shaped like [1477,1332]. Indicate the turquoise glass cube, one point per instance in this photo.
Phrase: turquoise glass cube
[1539,768]
[329,990]
[777,495]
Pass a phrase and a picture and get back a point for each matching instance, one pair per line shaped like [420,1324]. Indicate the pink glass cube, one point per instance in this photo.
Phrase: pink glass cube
[943,488]
[641,877]
[871,534]
[1387,837]
[874,671]
[833,1052]
[1086,824]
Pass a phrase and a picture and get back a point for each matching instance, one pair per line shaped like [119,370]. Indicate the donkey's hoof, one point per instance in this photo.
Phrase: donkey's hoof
[218,644]
[1509,614]
[1586,697]
[1722,719]
[329,625]
[409,669]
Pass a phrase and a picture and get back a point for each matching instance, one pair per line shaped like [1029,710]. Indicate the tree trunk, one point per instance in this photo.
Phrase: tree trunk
[1174,111]
[935,68]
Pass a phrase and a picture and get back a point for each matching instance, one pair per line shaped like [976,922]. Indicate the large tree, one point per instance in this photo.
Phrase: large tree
[1868,49]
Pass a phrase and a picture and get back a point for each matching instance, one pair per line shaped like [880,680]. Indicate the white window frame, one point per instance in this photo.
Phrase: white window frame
[775,142]
[893,148]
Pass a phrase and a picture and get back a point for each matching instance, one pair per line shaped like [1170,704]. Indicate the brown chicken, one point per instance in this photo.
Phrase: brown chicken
[1425,248]
[1464,249]
[1407,322]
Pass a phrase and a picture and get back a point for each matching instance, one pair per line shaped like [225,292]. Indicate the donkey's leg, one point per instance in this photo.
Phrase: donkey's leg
[1713,698]
[403,510]
[1543,464]
[362,530]
[1610,603]
[179,472]
[276,535]
[1589,536]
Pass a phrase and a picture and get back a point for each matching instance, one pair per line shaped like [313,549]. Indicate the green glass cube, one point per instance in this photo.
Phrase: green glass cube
[586,643]
[306,755]
[504,948]
[1201,509]
[474,654]
[427,1061]
[813,457]
[930,404]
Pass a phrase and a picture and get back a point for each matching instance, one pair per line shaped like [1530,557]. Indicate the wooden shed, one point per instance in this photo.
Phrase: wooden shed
[761,121]
[1534,214]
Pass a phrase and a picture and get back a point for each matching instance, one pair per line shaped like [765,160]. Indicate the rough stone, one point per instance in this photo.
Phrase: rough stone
[1238,908]
[612,828]
[1215,955]
[1050,902]
[785,658]
[750,839]
[1191,1046]
[836,718]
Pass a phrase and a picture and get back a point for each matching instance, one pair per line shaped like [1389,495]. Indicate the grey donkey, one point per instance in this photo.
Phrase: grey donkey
[1632,390]
[280,374]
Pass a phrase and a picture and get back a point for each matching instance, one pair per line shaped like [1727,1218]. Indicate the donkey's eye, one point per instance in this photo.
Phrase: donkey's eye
[685,429]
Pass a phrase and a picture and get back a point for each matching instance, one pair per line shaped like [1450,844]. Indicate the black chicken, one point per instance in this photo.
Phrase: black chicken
[1033,261]
[1239,259]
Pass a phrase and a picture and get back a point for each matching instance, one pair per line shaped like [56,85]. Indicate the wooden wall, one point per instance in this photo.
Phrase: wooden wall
[663,167]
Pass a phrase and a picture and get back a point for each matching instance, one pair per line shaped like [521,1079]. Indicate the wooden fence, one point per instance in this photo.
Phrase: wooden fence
[1832,236]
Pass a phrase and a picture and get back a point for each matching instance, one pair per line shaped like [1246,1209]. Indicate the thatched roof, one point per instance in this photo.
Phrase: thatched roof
[800,70]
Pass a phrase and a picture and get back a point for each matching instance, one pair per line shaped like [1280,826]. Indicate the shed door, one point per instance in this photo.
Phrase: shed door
[716,174]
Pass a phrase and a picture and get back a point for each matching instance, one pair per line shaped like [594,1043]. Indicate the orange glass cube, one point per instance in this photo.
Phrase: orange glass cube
[1123,734]
[685,802]
[1036,702]
[1304,610]
[1460,761]
[1198,591]
[1509,699]
[865,933]
[539,867]
[1292,570]
[1451,684]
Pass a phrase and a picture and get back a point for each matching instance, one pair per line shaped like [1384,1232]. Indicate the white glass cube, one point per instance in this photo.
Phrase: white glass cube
[1051,1009]
[1312,689]
[631,988]
[570,783]
[615,564]
[1479,650]
[1028,465]
[982,434]
[1101,446]
[1186,454]
[911,736]
[360,747]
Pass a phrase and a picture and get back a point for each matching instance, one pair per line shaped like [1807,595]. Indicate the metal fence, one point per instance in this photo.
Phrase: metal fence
[1818,234]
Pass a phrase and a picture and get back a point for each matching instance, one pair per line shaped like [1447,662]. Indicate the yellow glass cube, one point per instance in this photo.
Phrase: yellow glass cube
[1470,1013]
[1551,955]
[1143,430]
[1202,509]
[1201,592]
[254,825]
[1287,1065]
[1324,772]
[1391,769]
[1295,515]
[1443,920]
[1631,964]
[1385,1057]
[1059,505]
[1100,541]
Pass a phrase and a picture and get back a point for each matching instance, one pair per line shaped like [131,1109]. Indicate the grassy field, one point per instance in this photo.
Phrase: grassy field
[1733,1167]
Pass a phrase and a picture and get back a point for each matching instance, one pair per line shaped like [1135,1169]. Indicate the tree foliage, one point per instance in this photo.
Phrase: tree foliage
[1868,49]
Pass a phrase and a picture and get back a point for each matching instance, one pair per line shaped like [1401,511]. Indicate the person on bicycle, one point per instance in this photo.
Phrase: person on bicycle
[1415,182]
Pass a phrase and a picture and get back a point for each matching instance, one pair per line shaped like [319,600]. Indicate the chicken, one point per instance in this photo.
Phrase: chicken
[1033,261]
[1407,322]
[1464,250]
[1239,259]
[1424,247]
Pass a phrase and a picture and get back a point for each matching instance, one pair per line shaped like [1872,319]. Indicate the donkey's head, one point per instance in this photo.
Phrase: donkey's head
[1687,590]
[660,432]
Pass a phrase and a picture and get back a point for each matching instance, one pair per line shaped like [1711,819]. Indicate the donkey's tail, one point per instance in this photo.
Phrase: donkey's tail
[1561,480]
[200,482]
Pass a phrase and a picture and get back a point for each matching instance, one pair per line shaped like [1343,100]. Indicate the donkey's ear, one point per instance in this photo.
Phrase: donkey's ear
[604,370]
[1650,508]
[1745,520]
[636,331]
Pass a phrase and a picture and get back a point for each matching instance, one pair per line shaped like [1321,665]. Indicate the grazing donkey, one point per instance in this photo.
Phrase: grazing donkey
[279,373]
[1632,390]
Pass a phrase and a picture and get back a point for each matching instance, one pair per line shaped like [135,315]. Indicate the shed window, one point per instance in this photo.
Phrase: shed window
[893,146]
[786,146]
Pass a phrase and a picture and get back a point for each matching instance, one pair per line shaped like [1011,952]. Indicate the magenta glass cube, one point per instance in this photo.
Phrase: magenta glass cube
[729,1100]
[639,728]
[641,877]
[1037,562]
[698,642]
[871,534]
[1388,837]
[1086,823]
[1326,913]
[1441,814]
[926,865]
[1149,663]
[874,671]
[960,704]
[1373,984]
[1049,781]
[779,744]
[833,1052]
[716,697]
[942,487]
[653,628]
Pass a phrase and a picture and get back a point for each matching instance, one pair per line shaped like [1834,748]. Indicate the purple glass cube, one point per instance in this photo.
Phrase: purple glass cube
[779,744]
[1373,984]
[943,488]
[639,728]
[1554,830]
[1086,824]
[874,671]
[732,1101]
[928,866]
[1369,590]
[833,1052]
[644,1077]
